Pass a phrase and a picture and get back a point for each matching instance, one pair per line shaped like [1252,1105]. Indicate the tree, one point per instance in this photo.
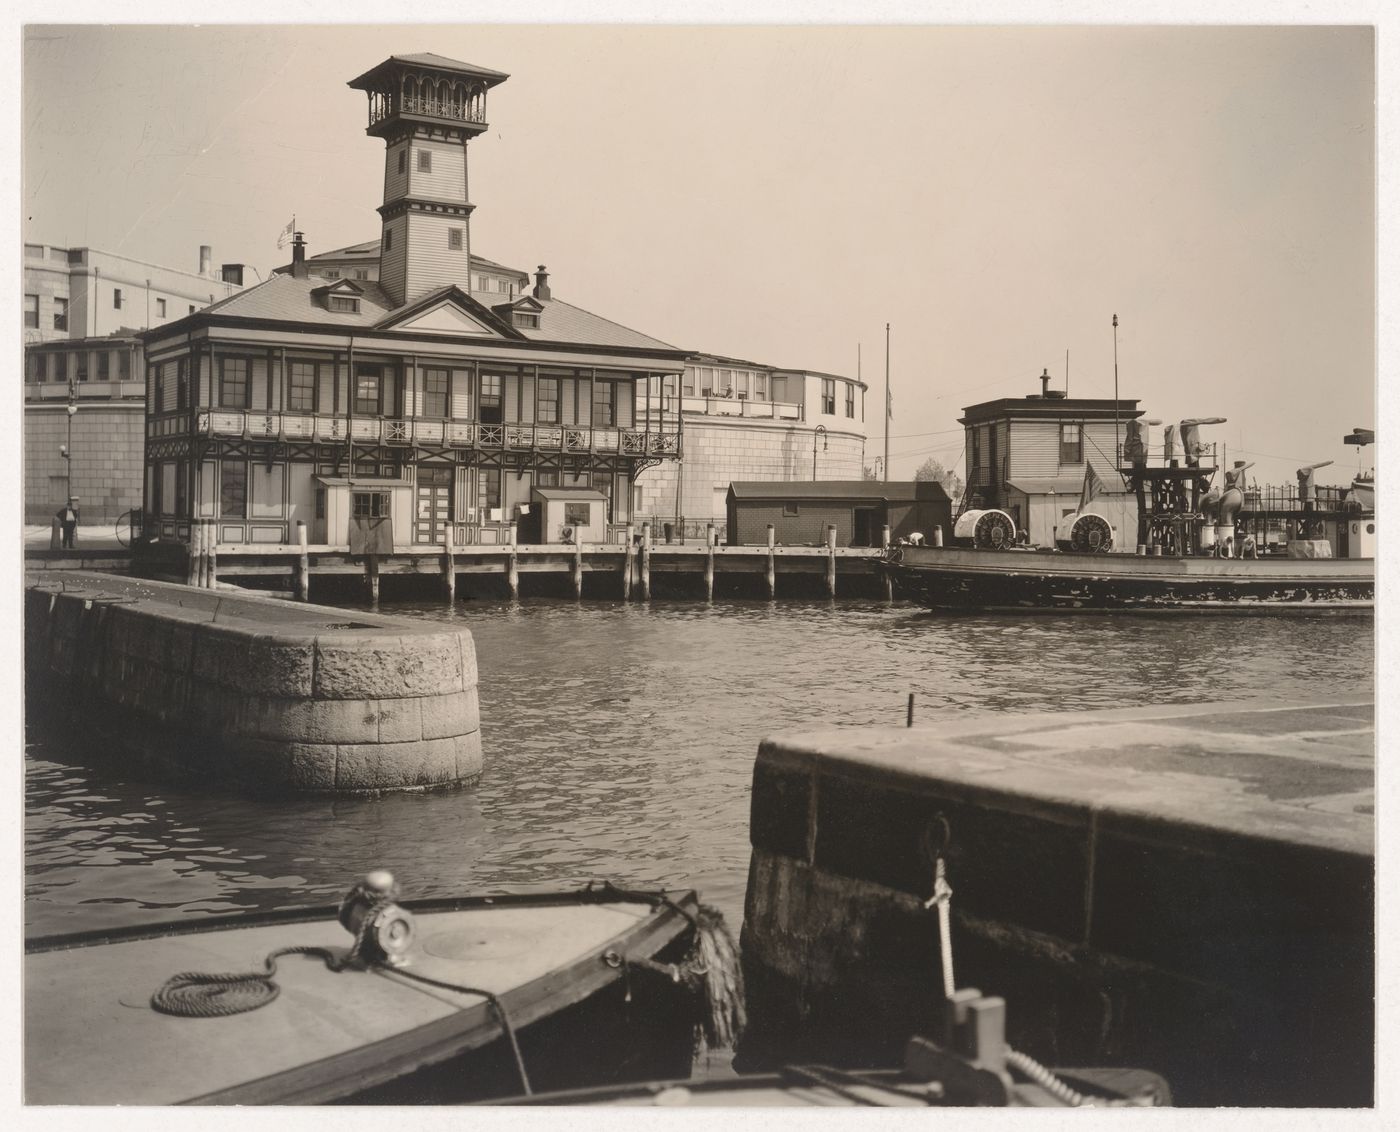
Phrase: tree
[932,471]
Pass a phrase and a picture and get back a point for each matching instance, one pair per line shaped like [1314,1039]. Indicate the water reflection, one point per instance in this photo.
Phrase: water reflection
[620,740]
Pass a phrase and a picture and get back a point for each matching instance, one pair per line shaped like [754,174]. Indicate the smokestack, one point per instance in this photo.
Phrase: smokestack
[1045,383]
[206,259]
[541,283]
[298,256]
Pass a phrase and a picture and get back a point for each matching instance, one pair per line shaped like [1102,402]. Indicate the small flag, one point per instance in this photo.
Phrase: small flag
[1093,486]
[286,233]
[889,403]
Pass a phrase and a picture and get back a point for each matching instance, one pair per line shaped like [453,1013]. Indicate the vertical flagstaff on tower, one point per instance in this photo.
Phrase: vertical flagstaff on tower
[889,404]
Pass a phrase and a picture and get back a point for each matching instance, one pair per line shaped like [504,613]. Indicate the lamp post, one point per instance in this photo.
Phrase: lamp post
[819,431]
[67,450]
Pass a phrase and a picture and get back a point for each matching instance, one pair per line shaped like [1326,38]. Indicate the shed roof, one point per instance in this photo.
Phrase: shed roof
[875,491]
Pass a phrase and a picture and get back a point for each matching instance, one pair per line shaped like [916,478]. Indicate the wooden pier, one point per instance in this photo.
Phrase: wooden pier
[633,563]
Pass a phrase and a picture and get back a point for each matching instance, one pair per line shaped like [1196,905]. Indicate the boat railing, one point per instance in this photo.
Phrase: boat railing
[1167,456]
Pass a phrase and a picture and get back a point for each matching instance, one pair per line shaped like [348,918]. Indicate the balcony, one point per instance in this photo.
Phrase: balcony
[409,432]
[741,407]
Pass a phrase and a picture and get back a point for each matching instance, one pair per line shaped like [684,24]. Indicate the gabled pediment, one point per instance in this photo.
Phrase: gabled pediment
[339,287]
[451,311]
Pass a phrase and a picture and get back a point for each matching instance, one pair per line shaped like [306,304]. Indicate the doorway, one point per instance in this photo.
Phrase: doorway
[865,527]
[433,506]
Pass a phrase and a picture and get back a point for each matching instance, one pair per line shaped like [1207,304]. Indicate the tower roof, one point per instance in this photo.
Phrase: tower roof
[424,61]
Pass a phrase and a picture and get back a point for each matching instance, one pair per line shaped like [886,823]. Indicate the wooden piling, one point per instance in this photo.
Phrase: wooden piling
[772,570]
[627,566]
[513,573]
[709,561]
[211,556]
[885,545]
[938,535]
[372,577]
[831,561]
[449,564]
[192,566]
[646,561]
[578,568]
[303,584]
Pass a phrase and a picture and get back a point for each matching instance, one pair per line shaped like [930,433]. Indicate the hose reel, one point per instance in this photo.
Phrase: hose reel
[1091,534]
[986,530]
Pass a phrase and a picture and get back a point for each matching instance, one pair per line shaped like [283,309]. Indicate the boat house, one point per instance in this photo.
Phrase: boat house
[414,404]
[801,512]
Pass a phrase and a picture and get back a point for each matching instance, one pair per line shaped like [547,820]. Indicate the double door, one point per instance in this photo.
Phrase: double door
[432,505]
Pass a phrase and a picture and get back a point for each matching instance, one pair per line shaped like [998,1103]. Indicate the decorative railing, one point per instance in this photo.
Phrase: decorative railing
[406,432]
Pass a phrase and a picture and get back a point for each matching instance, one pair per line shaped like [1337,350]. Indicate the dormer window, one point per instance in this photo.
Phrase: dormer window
[349,304]
[528,320]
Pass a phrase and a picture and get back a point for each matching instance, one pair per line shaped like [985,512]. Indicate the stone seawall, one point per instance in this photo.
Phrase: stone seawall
[255,692]
[1187,890]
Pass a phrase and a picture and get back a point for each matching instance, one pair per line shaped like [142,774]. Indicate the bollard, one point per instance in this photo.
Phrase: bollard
[303,564]
[512,573]
[55,534]
[885,545]
[938,536]
[578,568]
[772,571]
[709,561]
[627,566]
[1141,550]
[646,561]
[885,536]
[831,561]
[192,565]
[449,564]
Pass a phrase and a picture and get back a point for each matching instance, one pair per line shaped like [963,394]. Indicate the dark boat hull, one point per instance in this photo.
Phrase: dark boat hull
[1023,581]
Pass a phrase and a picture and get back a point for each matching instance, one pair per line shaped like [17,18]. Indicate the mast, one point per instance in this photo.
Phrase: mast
[887,403]
[1117,450]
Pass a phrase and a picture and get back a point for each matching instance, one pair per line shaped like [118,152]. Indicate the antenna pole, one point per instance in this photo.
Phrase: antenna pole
[1117,451]
[1066,373]
[887,403]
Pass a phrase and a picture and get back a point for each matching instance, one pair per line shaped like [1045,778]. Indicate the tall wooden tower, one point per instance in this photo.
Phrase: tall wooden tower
[426,108]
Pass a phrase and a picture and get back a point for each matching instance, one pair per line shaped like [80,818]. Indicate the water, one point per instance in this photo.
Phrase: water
[620,742]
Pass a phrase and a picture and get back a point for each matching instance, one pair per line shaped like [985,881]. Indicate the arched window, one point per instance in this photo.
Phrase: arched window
[410,93]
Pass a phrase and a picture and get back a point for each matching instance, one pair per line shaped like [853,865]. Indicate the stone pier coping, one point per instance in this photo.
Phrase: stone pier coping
[1303,774]
[274,647]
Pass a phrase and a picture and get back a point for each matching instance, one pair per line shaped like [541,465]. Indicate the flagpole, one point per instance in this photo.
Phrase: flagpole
[1117,458]
[887,403]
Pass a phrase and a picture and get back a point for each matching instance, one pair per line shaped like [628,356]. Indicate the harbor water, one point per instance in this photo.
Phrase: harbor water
[619,744]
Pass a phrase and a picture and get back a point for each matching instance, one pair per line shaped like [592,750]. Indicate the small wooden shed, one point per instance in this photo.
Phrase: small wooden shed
[564,515]
[858,509]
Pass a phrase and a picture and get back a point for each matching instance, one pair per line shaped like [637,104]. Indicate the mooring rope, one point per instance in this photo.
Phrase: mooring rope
[192,994]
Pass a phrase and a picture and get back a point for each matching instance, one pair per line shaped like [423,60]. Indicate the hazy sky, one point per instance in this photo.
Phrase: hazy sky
[996,194]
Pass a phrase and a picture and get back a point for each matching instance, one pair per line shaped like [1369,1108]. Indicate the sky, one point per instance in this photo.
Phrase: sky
[779,194]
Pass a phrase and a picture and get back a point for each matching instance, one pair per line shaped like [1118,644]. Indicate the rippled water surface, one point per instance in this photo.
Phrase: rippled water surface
[620,741]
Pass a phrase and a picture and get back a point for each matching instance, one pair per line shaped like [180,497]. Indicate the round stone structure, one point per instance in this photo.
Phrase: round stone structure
[255,692]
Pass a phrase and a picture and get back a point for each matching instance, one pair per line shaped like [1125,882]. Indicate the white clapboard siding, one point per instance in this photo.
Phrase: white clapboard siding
[432,263]
[447,179]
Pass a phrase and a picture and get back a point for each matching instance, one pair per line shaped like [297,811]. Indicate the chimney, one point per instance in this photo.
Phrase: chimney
[541,283]
[206,259]
[232,273]
[298,256]
[1045,383]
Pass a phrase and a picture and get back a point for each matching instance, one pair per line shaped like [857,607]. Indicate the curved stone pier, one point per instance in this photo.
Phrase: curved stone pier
[255,692]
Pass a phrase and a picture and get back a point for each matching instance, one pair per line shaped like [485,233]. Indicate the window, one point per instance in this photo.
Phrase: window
[60,314]
[976,461]
[503,286]
[388,239]
[31,311]
[425,161]
[160,308]
[191,308]
[688,383]
[320,503]
[301,387]
[760,387]
[330,273]
[369,381]
[402,155]
[789,510]
[104,366]
[576,514]
[850,400]
[549,401]
[345,303]
[41,366]
[116,298]
[370,504]
[829,396]
[483,283]
[547,477]
[233,489]
[528,319]
[604,404]
[1071,444]
[603,481]
[81,360]
[233,383]
[454,239]
[488,490]
[361,273]
[489,412]
[741,383]
[435,386]
[60,367]
[182,489]
[182,383]
[158,391]
[124,365]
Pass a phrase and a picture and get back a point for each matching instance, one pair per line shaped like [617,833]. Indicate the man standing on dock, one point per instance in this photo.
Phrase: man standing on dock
[68,521]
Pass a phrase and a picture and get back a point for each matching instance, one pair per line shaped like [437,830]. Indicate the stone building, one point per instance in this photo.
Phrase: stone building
[1027,457]
[408,408]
